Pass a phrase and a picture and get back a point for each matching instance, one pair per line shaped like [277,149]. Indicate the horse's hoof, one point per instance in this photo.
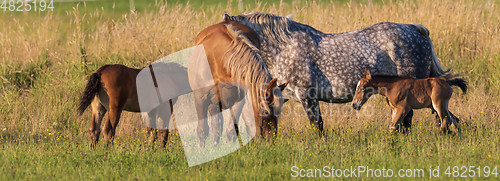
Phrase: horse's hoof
[446,131]
[393,129]
[455,128]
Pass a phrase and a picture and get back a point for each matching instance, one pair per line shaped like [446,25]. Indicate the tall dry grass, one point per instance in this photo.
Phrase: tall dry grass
[45,60]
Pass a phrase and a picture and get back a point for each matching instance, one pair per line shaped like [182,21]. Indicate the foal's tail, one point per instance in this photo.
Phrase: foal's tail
[89,93]
[460,83]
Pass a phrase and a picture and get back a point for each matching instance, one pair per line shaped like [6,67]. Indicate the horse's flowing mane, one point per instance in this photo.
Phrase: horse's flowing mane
[274,27]
[244,61]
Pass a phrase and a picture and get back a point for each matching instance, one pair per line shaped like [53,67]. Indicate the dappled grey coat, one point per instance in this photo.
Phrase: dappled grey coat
[327,67]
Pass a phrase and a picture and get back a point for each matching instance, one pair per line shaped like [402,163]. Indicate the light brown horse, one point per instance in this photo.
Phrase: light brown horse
[404,94]
[112,88]
[232,51]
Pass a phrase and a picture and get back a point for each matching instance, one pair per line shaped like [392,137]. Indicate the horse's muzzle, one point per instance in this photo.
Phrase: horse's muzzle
[356,105]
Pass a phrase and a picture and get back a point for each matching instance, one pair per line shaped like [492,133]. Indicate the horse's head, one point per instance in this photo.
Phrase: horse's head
[271,111]
[364,90]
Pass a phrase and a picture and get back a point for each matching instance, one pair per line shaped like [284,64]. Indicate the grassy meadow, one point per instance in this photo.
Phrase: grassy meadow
[46,58]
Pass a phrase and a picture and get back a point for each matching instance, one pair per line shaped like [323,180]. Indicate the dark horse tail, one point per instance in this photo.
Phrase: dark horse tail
[90,90]
[89,93]
[460,83]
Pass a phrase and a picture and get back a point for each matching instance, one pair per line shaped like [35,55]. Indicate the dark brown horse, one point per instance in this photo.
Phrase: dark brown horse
[404,94]
[113,88]
[232,51]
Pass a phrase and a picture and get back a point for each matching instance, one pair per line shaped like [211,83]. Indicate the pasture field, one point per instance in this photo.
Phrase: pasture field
[45,61]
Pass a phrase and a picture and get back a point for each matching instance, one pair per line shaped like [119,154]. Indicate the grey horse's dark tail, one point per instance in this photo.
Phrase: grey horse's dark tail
[90,90]
[460,83]
[436,69]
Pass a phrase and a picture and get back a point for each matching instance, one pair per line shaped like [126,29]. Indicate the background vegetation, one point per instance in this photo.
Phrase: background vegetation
[46,58]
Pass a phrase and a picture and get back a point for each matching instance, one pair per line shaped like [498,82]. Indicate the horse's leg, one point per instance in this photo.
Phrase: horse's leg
[201,104]
[252,127]
[160,113]
[213,111]
[151,135]
[406,123]
[446,119]
[151,132]
[437,118]
[163,133]
[454,121]
[202,130]
[115,110]
[311,106]
[398,115]
[98,111]
[407,119]
[163,136]
[235,114]
[454,117]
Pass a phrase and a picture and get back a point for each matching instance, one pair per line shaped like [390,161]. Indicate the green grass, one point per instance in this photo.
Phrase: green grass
[63,157]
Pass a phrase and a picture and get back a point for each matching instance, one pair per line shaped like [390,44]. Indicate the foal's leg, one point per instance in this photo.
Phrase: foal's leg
[163,136]
[98,111]
[454,117]
[437,118]
[165,121]
[406,120]
[446,119]
[398,115]
[163,133]
[454,120]
[151,132]
[160,134]
[151,135]
[115,110]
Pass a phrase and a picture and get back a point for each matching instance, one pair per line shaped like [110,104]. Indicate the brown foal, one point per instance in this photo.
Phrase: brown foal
[404,94]
[113,88]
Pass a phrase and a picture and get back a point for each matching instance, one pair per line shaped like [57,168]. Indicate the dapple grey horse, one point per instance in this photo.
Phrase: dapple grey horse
[326,67]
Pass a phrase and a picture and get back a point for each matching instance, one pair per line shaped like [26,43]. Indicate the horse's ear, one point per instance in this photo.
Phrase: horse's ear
[368,74]
[269,89]
[289,16]
[226,17]
[282,86]
[272,84]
